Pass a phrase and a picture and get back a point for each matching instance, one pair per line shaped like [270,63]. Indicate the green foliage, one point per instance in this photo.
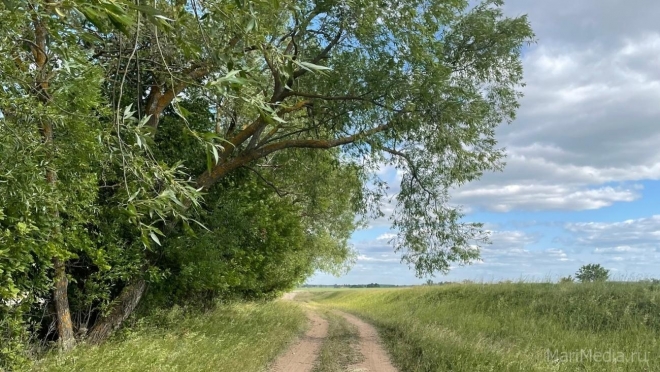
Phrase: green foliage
[592,273]
[566,279]
[255,246]
[53,195]
[229,149]
[511,327]
[263,230]
[14,338]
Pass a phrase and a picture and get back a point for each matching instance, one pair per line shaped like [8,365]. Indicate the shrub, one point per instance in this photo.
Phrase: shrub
[566,279]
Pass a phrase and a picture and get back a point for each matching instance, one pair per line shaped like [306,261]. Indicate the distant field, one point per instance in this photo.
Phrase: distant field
[330,289]
[231,338]
[513,327]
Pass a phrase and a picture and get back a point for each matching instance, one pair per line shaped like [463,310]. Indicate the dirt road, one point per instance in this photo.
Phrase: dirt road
[302,356]
[375,357]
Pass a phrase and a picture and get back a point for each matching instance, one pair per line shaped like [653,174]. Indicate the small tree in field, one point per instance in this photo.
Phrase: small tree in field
[592,273]
[566,279]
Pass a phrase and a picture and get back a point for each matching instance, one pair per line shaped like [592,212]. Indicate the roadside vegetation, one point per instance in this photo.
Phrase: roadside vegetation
[601,326]
[237,337]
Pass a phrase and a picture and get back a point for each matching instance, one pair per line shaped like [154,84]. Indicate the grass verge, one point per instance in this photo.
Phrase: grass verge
[239,337]
[514,327]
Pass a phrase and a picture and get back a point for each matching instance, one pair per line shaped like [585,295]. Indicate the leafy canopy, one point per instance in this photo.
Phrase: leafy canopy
[419,85]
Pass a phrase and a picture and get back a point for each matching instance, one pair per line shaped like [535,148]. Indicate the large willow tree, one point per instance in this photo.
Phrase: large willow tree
[103,157]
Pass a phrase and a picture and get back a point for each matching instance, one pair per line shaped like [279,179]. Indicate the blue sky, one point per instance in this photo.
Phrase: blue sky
[582,182]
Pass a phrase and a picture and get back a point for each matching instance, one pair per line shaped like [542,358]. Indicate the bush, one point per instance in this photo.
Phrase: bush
[13,340]
[566,279]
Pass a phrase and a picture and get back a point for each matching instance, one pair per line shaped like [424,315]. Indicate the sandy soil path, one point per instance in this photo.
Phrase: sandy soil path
[375,357]
[289,296]
[302,355]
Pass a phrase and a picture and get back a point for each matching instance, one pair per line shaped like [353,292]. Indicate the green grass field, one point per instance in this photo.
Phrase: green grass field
[331,289]
[231,338]
[513,327]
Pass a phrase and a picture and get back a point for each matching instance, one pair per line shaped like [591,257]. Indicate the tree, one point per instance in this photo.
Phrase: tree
[592,273]
[566,279]
[160,111]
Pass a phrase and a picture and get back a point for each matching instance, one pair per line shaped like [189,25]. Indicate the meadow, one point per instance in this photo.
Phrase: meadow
[597,327]
[512,327]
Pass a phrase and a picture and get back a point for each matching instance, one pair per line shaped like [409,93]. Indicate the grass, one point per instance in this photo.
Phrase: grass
[339,349]
[239,337]
[514,327]
[330,289]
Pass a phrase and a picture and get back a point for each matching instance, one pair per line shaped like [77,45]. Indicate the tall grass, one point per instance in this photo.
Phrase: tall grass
[514,327]
[238,337]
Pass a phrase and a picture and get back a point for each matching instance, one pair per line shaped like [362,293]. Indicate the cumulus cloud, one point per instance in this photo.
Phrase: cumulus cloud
[545,197]
[587,127]
[636,235]
[386,237]
[514,255]
[512,248]
[630,249]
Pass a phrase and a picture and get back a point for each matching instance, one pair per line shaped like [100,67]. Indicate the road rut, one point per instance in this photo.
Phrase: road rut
[375,357]
[302,356]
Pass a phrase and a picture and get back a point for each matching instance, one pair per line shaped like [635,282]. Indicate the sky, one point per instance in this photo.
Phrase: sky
[582,181]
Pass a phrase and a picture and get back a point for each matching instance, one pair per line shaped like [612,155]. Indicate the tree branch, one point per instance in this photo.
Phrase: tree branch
[208,178]
[158,101]
[413,168]
[322,55]
[345,98]
[281,194]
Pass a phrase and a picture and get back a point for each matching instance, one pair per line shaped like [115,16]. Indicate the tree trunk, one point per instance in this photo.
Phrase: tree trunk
[126,303]
[64,326]
[66,338]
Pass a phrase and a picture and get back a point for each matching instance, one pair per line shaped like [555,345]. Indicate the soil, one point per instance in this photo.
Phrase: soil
[302,355]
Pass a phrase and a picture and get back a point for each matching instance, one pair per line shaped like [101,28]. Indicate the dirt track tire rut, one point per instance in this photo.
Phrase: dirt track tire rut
[302,356]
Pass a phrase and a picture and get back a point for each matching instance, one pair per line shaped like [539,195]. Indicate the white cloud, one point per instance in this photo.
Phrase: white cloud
[364,258]
[544,197]
[586,130]
[633,236]
[386,237]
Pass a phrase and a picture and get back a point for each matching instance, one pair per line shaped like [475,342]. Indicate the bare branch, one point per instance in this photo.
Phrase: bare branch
[281,194]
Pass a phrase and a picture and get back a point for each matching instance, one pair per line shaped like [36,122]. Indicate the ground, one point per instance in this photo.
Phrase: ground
[320,350]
